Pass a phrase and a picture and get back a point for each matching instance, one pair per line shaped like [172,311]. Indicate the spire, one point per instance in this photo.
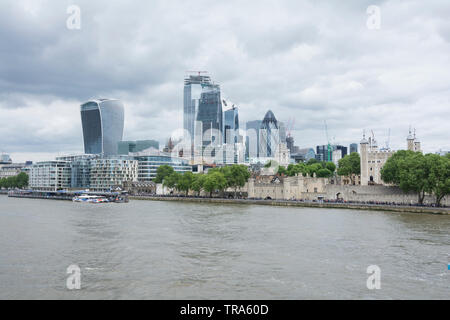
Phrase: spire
[364,141]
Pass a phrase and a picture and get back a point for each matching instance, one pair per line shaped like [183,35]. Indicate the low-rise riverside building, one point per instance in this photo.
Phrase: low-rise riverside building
[109,173]
[13,169]
[100,173]
[50,175]
[80,166]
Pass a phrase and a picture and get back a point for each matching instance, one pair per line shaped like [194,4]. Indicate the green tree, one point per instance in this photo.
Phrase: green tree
[323,173]
[214,181]
[294,169]
[172,180]
[197,184]
[22,180]
[330,166]
[185,182]
[162,172]
[312,161]
[239,176]
[282,170]
[438,181]
[314,168]
[18,181]
[409,171]
[350,165]
[390,172]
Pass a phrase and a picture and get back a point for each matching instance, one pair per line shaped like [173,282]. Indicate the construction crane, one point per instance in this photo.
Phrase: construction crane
[290,126]
[328,142]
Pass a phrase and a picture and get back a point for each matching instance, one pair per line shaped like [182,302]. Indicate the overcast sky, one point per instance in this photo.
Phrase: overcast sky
[301,59]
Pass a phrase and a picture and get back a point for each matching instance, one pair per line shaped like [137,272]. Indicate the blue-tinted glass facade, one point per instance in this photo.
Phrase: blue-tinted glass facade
[210,115]
[102,121]
[231,126]
[252,139]
[148,165]
[269,135]
[193,88]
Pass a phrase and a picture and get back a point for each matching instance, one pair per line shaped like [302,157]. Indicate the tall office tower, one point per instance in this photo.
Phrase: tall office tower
[210,116]
[353,147]
[290,143]
[342,148]
[231,125]
[322,153]
[252,139]
[282,129]
[231,134]
[269,135]
[102,122]
[193,88]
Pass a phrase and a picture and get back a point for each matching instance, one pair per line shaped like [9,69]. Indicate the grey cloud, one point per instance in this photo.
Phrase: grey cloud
[304,59]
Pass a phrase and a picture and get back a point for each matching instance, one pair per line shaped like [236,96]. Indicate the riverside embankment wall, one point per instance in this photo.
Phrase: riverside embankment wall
[286,203]
[376,193]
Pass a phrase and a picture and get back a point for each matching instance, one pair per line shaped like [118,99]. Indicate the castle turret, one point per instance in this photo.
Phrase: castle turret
[416,143]
[410,141]
[364,145]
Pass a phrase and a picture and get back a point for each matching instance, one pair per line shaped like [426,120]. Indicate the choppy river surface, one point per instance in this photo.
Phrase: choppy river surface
[174,250]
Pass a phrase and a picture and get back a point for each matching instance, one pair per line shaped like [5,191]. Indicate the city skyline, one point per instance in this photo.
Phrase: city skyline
[391,78]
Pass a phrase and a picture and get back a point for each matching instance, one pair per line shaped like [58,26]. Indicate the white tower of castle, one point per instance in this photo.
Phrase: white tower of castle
[413,143]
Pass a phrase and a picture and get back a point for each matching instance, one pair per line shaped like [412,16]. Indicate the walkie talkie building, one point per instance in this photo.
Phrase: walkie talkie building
[102,121]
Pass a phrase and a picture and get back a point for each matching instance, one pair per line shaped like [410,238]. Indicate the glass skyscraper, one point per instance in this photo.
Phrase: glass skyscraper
[269,135]
[193,88]
[231,126]
[210,117]
[102,121]
[252,139]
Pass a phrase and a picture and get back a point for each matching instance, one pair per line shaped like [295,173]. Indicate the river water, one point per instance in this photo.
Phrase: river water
[174,250]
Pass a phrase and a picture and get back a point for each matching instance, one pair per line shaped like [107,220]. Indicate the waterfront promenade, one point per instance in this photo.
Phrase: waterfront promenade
[298,203]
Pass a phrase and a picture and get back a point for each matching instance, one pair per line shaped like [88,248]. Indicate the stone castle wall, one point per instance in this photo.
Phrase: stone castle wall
[376,193]
[311,188]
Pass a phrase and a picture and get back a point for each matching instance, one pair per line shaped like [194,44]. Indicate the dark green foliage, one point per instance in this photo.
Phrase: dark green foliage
[18,181]
[413,171]
[162,172]
[350,165]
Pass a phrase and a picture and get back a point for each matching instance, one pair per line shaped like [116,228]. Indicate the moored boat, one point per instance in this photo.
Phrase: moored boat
[90,199]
